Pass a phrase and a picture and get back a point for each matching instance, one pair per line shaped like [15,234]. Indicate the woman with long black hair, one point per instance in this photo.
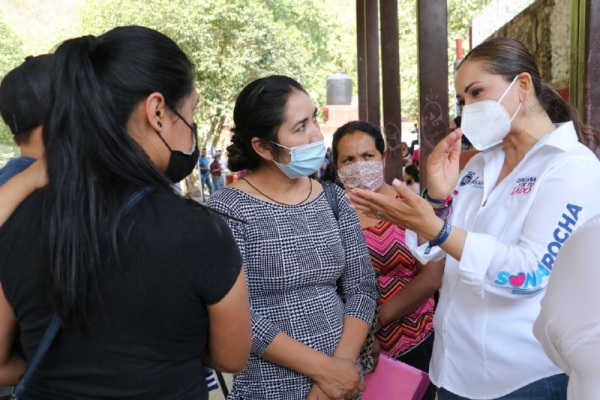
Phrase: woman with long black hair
[145,295]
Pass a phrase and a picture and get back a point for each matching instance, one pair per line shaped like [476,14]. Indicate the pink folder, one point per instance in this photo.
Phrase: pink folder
[395,380]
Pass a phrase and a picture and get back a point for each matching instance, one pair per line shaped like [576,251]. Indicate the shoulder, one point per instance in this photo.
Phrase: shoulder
[228,200]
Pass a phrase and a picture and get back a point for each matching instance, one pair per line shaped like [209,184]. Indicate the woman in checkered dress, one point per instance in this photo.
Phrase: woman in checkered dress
[306,339]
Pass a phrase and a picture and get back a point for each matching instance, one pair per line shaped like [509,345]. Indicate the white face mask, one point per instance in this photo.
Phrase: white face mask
[487,122]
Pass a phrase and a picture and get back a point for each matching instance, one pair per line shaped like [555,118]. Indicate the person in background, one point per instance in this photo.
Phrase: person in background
[406,157]
[411,178]
[568,325]
[215,171]
[24,99]
[407,288]
[415,156]
[306,335]
[323,169]
[204,171]
[120,125]
[499,224]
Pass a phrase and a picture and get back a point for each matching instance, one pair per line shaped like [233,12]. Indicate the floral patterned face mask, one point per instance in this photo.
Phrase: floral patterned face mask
[366,175]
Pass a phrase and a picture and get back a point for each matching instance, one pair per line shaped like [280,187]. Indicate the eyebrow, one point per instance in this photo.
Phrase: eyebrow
[303,120]
[471,84]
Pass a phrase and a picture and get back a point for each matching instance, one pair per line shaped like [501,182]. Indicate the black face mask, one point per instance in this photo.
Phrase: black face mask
[182,164]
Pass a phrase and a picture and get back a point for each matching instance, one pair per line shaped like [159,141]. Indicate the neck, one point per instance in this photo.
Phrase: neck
[270,184]
[519,141]
[34,147]
[270,177]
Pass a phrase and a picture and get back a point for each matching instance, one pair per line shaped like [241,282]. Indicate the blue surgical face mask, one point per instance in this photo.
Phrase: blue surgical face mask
[305,160]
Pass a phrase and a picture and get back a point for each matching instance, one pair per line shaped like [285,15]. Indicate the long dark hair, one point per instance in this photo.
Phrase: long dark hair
[93,163]
[259,112]
[508,58]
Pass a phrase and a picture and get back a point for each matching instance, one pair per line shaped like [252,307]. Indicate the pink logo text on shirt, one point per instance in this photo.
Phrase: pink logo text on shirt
[524,185]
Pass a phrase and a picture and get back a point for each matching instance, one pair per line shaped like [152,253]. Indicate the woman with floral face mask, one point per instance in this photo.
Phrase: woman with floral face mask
[498,224]
[306,336]
[406,314]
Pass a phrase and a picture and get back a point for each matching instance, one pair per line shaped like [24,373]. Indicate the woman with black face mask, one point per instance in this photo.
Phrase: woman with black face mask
[146,287]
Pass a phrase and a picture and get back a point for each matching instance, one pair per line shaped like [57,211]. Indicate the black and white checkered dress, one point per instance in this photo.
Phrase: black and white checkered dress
[293,256]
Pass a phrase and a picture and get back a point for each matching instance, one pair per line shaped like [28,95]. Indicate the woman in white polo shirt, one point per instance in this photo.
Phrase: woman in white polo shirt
[498,224]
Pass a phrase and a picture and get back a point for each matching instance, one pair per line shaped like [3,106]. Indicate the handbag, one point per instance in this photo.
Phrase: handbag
[395,380]
[54,326]
[366,351]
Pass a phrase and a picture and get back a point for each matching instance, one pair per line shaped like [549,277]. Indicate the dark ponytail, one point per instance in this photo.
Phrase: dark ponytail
[508,58]
[259,112]
[93,163]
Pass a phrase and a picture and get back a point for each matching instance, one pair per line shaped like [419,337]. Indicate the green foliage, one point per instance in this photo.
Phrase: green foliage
[11,55]
[232,42]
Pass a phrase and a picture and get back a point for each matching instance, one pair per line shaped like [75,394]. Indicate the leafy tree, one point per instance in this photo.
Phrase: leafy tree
[11,55]
[232,42]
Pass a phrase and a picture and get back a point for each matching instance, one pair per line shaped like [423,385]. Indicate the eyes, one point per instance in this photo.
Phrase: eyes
[302,127]
[352,159]
[473,93]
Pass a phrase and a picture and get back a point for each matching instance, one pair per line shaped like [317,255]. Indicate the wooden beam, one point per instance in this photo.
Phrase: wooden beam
[361,50]
[372,40]
[390,78]
[432,45]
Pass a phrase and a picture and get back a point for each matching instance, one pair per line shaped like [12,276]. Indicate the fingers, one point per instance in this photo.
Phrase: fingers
[362,385]
[405,192]
[449,144]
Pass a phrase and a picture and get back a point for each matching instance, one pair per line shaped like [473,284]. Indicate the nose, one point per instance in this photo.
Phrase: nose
[316,134]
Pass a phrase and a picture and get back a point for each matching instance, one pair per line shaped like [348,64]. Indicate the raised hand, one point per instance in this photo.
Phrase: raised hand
[442,166]
[412,212]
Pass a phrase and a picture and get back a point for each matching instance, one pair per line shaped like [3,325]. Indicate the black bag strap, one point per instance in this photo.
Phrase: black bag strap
[332,198]
[54,326]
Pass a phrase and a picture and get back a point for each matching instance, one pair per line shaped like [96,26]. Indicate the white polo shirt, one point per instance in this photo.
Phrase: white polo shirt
[484,345]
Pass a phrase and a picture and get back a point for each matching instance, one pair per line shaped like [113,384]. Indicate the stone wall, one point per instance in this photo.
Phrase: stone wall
[545,28]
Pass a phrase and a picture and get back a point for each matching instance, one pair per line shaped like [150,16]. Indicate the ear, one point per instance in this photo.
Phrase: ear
[262,149]
[383,158]
[155,108]
[525,85]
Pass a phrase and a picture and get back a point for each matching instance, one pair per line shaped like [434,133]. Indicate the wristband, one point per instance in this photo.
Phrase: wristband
[443,213]
[440,238]
[445,202]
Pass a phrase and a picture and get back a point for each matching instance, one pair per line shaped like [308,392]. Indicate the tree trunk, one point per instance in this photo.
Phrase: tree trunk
[192,185]
[213,123]
[217,132]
